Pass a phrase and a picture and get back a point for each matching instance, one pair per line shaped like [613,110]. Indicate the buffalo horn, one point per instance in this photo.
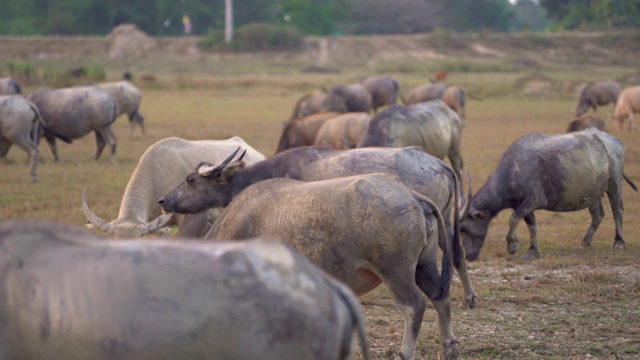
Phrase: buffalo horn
[93,218]
[207,171]
[464,208]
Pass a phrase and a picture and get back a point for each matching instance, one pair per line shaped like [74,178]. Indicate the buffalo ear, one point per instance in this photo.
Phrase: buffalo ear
[231,169]
[477,214]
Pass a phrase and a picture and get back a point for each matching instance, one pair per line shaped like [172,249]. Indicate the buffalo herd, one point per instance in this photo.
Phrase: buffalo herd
[356,195]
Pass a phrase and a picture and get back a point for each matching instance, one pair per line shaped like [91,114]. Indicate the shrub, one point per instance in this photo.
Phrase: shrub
[256,37]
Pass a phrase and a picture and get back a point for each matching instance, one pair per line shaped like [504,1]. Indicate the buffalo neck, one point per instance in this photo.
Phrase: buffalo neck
[249,176]
[489,198]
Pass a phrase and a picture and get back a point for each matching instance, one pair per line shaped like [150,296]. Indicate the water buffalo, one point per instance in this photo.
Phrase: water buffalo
[431,125]
[162,166]
[216,185]
[566,172]
[19,120]
[383,90]
[302,131]
[310,104]
[9,86]
[66,293]
[597,94]
[356,97]
[627,105]
[424,93]
[454,97]
[586,121]
[127,96]
[364,230]
[75,112]
[343,131]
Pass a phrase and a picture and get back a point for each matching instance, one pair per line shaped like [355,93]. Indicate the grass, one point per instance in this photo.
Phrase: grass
[573,303]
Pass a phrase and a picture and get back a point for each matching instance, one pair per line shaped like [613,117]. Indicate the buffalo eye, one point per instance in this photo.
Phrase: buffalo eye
[191,179]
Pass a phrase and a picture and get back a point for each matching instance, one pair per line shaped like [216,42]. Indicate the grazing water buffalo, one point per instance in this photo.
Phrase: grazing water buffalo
[68,294]
[302,131]
[343,131]
[310,104]
[586,121]
[566,172]
[383,91]
[597,94]
[127,96]
[9,86]
[216,185]
[162,166]
[432,125]
[364,230]
[424,93]
[75,112]
[356,97]
[454,97]
[19,119]
[628,104]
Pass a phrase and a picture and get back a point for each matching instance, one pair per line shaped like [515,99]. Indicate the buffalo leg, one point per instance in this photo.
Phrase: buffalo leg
[100,143]
[534,251]
[52,145]
[32,151]
[617,209]
[597,214]
[5,145]
[428,280]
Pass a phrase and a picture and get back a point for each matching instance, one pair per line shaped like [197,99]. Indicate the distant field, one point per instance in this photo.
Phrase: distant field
[572,303]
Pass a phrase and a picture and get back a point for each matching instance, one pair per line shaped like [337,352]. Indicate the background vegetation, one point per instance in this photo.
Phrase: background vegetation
[314,17]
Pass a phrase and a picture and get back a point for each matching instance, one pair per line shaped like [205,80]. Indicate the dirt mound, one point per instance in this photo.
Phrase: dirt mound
[127,41]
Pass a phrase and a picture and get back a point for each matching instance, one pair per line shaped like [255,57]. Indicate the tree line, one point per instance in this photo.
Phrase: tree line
[314,17]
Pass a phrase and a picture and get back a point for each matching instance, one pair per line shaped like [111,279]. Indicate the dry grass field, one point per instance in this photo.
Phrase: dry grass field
[572,303]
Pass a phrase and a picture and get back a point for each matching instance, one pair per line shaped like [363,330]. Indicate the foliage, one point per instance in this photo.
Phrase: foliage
[529,16]
[22,70]
[256,37]
[593,14]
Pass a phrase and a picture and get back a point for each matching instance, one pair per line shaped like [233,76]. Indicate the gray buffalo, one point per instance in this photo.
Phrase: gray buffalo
[566,172]
[74,113]
[9,86]
[128,97]
[314,103]
[424,93]
[343,131]
[383,91]
[302,131]
[357,98]
[162,166]
[431,125]
[586,121]
[627,105]
[597,94]
[215,185]
[455,98]
[19,120]
[364,230]
[68,294]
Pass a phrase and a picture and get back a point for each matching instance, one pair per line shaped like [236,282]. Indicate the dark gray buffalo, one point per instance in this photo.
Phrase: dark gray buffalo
[74,113]
[314,103]
[565,172]
[383,90]
[364,230]
[597,94]
[128,97]
[19,120]
[302,131]
[9,86]
[216,185]
[432,126]
[356,97]
[68,294]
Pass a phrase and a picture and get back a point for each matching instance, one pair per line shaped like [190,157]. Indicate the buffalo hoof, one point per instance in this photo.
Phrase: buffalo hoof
[532,254]
[512,246]
[450,350]
[618,245]
[472,301]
